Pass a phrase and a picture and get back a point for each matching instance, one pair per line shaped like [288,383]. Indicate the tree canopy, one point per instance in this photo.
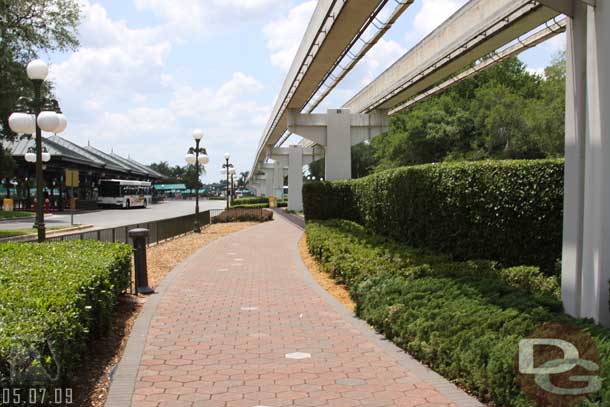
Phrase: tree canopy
[28,27]
[504,112]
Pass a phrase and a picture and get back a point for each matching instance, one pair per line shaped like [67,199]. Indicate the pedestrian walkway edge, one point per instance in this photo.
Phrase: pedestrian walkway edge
[442,385]
[124,375]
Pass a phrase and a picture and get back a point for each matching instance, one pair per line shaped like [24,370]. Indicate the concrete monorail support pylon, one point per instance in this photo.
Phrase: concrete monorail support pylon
[337,131]
[295,157]
[586,244]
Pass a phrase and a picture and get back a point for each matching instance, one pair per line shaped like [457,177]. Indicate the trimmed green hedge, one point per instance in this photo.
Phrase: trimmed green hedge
[237,204]
[464,319]
[61,292]
[510,211]
[251,200]
[256,205]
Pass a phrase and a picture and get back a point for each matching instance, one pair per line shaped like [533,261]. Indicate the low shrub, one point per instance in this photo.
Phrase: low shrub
[15,214]
[464,319]
[251,200]
[254,206]
[54,297]
[243,215]
[510,211]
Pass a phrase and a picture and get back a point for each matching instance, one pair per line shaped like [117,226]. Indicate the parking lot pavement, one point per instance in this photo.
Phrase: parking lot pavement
[107,218]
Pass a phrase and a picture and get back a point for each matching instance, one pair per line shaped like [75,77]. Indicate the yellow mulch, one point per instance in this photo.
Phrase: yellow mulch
[338,291]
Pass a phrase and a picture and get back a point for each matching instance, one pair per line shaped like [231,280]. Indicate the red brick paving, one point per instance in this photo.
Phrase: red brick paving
[221,332]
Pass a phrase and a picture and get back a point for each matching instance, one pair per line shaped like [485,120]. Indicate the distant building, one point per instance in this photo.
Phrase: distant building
[73,171]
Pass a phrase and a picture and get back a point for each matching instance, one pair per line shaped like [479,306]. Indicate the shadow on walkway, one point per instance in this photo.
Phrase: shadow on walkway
[294,219]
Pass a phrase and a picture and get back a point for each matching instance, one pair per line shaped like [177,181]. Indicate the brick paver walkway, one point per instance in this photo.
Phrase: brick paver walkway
[243,324]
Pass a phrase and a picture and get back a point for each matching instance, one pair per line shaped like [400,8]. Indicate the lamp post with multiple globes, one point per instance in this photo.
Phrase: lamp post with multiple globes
[228,167]
[197,156]
[33,116]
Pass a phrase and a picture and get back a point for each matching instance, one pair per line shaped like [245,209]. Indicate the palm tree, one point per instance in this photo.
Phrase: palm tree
[241,182]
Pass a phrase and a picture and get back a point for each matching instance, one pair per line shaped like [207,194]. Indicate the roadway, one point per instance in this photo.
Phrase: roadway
[119,217]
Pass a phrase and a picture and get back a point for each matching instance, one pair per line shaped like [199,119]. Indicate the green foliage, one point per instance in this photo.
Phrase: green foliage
[251,200]
[61,292]
[256,202]
[241,181]
[15,214]
[254,205]
[352,254]
[510,211]
[7,166]
[243,215]
[28,27]
[464,319]
[504,112]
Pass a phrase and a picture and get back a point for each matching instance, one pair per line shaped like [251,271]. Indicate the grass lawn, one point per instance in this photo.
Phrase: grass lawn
[15,214]
[29,231]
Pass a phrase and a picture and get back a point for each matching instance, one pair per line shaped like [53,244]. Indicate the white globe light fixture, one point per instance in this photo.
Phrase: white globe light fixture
[227,156]
[22,123]
[46,156]
[204,159]
[232,171]
[197,134]
[63,123]
[190,158]
[48,121]
[30,157]
[37,70]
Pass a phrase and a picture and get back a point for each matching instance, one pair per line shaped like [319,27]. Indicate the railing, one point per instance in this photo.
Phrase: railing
[159,230]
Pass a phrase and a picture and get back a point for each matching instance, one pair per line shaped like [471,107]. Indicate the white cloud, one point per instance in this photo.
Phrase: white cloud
[284,35]
[119,93]
[382,55]
[196,16]
[432,14]
[114,62]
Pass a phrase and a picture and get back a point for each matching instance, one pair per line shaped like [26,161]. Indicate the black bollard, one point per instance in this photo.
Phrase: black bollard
[139,255]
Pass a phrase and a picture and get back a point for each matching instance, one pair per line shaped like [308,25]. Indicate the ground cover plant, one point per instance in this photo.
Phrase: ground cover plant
[463,318]
[54,298]
[15,214]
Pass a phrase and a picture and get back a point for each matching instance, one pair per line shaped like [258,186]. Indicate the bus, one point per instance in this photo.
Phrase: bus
[124,193]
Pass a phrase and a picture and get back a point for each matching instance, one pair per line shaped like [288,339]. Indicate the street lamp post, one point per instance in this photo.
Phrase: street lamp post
[197,156]
[35,116]
[228,166]
[232,172]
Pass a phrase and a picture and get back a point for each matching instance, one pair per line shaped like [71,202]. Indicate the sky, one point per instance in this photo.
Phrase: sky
[149,72]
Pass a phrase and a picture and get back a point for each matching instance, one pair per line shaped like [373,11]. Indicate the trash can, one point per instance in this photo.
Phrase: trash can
[272,202]
[8,205]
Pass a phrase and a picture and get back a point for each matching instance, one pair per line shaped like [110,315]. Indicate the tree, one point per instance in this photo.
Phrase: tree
[546,116]
[501,113]
[190,179]
[241,181]
[363,160]
[28,27]
[164,168]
